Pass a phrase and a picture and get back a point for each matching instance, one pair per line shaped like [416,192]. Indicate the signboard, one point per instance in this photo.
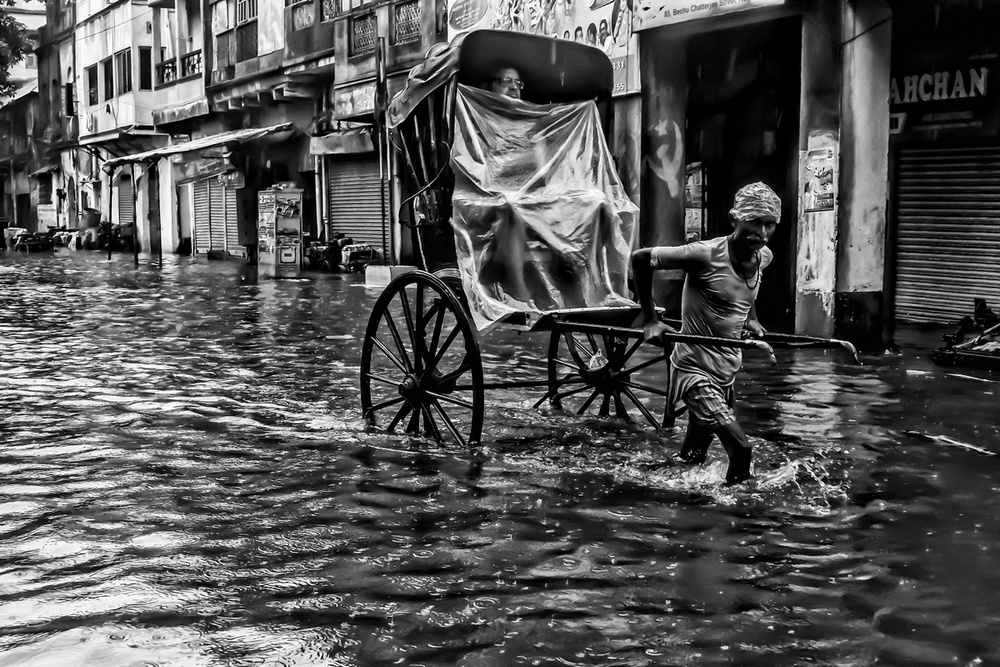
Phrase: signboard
[653,13]
[354,101]
[46,216]
[606,24]
[949,93]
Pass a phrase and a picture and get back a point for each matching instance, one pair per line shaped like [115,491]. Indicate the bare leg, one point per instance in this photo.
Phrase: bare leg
[738,449]
[696,442]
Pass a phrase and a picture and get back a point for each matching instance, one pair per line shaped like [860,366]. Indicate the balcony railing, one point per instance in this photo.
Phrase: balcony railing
[246,41]
[303,14]
[330,9]
[191,64]
[166,71]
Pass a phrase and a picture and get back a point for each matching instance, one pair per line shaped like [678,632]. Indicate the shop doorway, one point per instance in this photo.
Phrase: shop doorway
[743,126]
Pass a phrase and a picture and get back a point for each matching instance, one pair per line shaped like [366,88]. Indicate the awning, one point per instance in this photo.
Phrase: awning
[47,169]
[235,136]
[343,142]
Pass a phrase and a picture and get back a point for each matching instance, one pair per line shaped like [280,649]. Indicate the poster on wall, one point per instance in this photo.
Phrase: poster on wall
[653,13]
[694,203]
[605,24]
[818,176]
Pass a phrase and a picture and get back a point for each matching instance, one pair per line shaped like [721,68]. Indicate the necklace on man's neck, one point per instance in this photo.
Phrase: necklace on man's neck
[756,268]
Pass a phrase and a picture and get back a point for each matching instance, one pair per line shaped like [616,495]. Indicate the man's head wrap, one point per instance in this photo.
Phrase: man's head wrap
[756,200]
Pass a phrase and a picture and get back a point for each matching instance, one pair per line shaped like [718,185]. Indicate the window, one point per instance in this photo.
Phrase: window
[123,65]
[92,85]
[70,105]
[145,68]
[246,10]
[108,69]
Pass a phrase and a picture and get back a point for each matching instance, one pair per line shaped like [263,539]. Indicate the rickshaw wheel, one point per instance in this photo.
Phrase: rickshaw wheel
[609,375]
[421,369]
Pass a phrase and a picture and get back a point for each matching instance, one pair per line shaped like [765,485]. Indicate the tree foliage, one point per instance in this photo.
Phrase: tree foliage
[14,45]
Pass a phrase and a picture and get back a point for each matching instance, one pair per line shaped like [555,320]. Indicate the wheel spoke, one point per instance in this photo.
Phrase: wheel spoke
[455,374]
[415,340]
[400,414]
[379,378]
[438,323]
[430,428]
[387,352]
[447,398]
[445,345]
[646,388]
[642,408]
[605,402]
[413,426]
[398,340]
[574,392]
[580,346]
[450,424]
[575,367]
[586,404]
[645,364]
[553,389]
[620,410]
[384,404]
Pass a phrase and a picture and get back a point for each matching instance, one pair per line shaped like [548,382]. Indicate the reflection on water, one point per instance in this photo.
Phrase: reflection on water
[186,481]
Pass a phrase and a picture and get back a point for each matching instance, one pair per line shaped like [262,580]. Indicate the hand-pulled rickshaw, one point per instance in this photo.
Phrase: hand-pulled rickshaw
[522,221]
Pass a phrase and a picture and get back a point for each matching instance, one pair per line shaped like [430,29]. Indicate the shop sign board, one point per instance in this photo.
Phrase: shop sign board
[946,93]
[605,24]
[354,101]
[654,13]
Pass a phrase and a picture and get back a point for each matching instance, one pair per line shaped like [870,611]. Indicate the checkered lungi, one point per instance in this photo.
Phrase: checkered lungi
[710,404]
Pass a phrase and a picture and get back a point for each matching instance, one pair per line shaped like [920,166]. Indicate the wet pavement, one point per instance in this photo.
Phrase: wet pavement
[186,480]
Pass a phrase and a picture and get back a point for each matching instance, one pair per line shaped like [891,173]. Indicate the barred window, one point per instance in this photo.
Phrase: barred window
[363,35]
[407,24]
[246,10]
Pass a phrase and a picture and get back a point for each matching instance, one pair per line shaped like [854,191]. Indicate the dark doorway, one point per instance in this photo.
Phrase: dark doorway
[24,217]
[743,126]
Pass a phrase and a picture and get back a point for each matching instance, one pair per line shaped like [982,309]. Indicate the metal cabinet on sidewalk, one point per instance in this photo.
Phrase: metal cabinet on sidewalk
[279,232]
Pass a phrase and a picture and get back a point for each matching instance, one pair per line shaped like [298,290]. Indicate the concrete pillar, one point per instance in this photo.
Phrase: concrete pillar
[153,209]
[819,130]
[861,251]
[663,62]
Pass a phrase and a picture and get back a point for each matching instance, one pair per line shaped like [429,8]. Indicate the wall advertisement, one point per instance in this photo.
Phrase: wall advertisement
[605,24]
[653,13]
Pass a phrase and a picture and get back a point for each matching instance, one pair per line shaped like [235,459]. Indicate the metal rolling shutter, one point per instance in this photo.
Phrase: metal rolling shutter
[355,206]
[202,218]
[233,246]
[217,203]
[126,204]
[947,232]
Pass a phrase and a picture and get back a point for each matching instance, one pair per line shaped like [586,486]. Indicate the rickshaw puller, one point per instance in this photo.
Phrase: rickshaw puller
[722,279]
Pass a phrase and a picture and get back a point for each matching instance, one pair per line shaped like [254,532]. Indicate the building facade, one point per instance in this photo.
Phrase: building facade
[18,116]
[875,120]
[944,176]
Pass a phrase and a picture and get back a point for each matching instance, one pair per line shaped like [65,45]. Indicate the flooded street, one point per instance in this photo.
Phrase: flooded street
[186,480]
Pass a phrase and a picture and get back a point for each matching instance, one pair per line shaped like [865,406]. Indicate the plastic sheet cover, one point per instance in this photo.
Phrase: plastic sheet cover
[541,218]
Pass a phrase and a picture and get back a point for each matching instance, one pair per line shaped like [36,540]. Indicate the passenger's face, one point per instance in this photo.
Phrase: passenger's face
[755,233]
[507,82]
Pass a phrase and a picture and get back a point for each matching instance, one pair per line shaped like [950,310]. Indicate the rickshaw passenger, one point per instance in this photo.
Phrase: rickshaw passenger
[507,81]
[720,290]
[504,260]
